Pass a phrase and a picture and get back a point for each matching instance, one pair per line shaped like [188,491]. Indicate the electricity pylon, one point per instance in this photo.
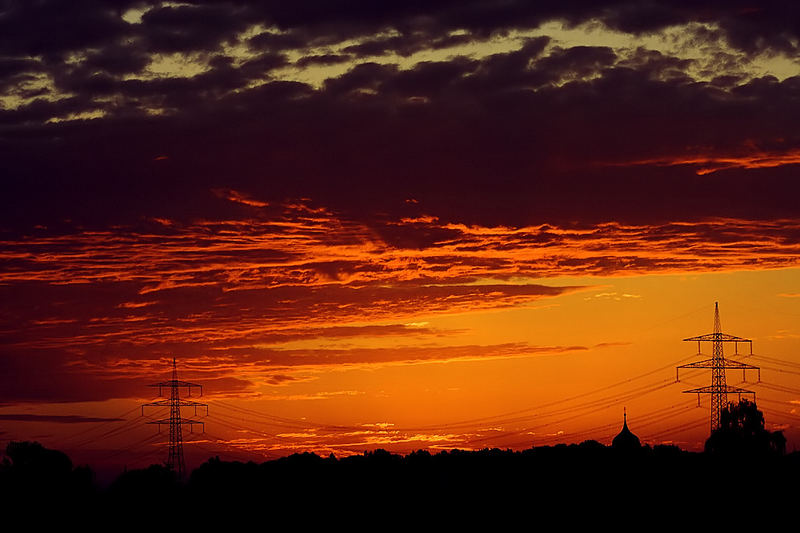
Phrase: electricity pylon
[719,390]
[175,421]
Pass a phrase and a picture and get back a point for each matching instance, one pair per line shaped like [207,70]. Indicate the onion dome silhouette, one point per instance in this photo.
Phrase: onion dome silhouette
[626,440]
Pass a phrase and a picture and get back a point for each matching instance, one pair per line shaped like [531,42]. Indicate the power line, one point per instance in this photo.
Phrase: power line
[116,420]
[775,360]
[175,459]
[718,389]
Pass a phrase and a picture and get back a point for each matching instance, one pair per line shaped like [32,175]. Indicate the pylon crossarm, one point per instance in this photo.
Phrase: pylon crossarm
[712,390]
[157,403]
[717,337]
[176,383]
[699,364]
[725,363]
[178,402]
[730,363]
[189,403]
[182,421]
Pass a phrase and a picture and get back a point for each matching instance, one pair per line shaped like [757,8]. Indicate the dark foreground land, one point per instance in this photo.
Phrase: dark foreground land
[568,484]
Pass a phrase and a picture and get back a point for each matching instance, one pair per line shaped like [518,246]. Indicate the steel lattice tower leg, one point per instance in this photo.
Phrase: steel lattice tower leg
[719,395]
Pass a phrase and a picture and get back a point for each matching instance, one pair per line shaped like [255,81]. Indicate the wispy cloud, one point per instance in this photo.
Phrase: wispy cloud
[707,164]
[228,296]
[322,395]
[58,419]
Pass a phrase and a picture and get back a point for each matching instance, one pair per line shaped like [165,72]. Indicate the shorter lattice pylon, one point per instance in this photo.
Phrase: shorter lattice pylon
[175,459]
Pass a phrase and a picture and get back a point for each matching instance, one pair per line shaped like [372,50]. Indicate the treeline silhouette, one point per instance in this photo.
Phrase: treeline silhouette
[739,465]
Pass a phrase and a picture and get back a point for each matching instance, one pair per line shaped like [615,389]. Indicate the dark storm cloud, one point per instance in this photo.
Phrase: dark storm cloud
[407,44]
[55,27]
[364,76]
[428,78]
[505,139]
[271,41]
[522,130]
[16,72]
[171,93]
[526,69]
[658,66]
[41,110]
[185,28]
[323,59]
[772,24]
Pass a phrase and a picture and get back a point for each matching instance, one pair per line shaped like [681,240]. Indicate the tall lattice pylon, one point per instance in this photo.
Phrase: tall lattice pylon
[719,389]
[175,459]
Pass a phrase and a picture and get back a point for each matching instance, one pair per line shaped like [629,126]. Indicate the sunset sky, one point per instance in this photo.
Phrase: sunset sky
[393,224]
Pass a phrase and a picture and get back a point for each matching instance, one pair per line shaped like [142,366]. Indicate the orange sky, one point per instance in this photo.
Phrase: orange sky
[388,350]
[392,224]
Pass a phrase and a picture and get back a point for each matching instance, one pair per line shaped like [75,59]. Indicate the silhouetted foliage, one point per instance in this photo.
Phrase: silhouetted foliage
[30,472]
[378,484]
[742,433]
[33,459]
[155,481]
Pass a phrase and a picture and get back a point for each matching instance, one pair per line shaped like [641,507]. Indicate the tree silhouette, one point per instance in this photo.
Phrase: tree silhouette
[31,469]
[156,481]
[33,458]
[742,432]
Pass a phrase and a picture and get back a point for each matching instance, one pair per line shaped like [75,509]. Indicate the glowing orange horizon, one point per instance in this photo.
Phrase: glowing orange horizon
[316,333]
